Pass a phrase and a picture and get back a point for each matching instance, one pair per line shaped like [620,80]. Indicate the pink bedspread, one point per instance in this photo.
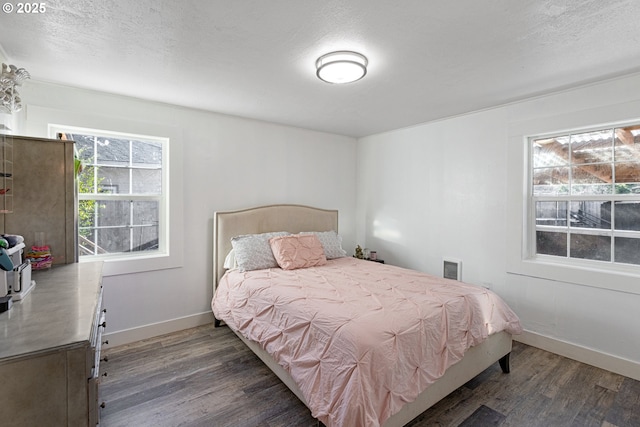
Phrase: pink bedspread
[359,338]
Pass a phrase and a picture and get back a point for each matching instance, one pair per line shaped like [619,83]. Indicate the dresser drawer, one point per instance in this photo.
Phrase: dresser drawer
[93,361]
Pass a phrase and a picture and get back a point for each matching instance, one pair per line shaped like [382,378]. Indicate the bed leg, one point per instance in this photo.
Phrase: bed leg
[504,363]
[216,322]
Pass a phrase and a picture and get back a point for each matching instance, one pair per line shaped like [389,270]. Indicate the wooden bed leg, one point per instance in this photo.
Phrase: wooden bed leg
[216,322]
[504,363]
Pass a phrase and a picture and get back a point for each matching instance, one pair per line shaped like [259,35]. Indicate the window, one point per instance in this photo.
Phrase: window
[585,196]
[122,200]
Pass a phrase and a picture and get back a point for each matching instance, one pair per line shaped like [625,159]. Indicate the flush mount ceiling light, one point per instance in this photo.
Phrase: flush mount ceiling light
[341,67]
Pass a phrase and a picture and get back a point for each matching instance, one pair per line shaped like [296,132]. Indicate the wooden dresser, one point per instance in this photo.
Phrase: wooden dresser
[50,350]
[43,195]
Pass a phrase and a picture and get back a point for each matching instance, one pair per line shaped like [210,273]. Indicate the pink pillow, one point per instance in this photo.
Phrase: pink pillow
[297,251]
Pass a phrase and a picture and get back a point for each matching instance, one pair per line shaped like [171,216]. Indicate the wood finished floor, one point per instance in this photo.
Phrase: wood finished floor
[206,376]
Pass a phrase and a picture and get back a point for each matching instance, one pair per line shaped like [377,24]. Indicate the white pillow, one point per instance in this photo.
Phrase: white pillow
[331,242]
[230,260]
[253,252]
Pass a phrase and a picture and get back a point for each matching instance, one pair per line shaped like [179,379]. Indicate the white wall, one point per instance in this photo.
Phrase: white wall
[228,163]
[444,189]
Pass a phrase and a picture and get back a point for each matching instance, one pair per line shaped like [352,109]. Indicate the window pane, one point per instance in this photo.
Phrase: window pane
[627,143]
[84,146]
[551,243]
[144,238]
[627,177]
[113,180]
[550,152]
[627,250]
[86,184]
[86,213]
[146,213]
[591,247]
[627,216]
[147,181]
[591,214]
[116,231]
[592,147]
[551,213]
[551,181]
[112,240]
[146,217]
[146,153]
[113,151]
[591,179]
[113,213]
[87,242]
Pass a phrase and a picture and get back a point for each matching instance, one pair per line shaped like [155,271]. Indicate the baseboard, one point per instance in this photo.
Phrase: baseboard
[589,356]
[153,330]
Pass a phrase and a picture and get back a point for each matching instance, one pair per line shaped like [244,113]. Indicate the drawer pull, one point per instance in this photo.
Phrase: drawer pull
[104,375]
[103,404]
[105,359]
[103,324]
[104,310]
[105,342]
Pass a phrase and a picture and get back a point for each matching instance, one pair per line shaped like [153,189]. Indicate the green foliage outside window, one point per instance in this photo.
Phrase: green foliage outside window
[85,177]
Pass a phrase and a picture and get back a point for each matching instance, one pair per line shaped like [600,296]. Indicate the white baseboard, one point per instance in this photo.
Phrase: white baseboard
[615,364]
[155,329]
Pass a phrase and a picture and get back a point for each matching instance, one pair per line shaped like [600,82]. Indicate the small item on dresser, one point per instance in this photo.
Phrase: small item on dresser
[6,263]
[40,257]
[359,254]
[13,239]
[373,255]
[5,303]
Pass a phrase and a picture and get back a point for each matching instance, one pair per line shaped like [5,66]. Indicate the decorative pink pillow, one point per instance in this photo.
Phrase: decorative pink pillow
[297,251]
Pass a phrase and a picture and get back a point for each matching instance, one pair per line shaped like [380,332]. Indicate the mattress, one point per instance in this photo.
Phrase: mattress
[360,339]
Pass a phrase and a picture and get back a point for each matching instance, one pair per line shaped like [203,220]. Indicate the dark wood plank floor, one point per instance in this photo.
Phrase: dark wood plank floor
[206,376]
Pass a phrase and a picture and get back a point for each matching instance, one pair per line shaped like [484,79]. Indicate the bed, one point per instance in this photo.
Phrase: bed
[335,390]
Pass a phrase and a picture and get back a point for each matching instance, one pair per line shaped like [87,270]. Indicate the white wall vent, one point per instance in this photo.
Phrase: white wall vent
[452,268]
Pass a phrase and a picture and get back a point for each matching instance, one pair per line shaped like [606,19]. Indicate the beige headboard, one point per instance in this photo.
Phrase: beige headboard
[264,219]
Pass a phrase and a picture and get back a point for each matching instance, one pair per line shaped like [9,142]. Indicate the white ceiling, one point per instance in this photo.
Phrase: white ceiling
[255,58]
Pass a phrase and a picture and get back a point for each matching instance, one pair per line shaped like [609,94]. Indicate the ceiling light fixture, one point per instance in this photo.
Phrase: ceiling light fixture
[341,67]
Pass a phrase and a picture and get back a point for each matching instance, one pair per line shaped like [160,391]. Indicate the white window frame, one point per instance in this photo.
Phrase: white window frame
[521,259]
[170,250]
[532,227]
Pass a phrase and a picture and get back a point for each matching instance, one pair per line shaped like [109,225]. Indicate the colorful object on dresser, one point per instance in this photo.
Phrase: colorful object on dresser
[5,260]
[11,240]
[40,257]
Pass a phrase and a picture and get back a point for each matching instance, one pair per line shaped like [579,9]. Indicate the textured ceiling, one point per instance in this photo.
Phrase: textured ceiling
[256,58]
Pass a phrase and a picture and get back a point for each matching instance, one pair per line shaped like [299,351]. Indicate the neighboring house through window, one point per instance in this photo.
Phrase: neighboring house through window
[122,193]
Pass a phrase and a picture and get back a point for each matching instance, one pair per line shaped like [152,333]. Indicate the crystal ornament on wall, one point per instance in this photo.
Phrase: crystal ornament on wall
[11,78]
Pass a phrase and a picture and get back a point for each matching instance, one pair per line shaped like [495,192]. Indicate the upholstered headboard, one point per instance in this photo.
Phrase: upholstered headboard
[264,219]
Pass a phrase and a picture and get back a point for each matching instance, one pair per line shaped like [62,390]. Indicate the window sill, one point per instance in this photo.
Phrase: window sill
[614,278]
[130,264]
